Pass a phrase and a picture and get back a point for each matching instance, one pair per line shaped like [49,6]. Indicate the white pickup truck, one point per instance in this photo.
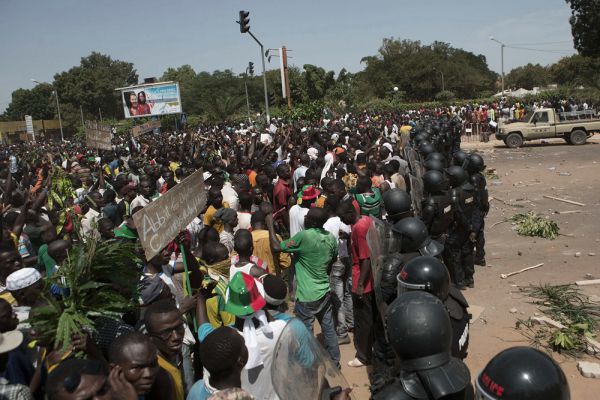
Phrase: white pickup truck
[574,127]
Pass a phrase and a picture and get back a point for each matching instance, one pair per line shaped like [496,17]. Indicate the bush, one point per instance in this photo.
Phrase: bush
[445,95]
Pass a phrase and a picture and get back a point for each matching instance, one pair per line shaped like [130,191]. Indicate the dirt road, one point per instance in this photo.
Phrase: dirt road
[525,176]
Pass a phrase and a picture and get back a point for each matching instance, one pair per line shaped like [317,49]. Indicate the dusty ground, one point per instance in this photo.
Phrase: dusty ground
[525,175]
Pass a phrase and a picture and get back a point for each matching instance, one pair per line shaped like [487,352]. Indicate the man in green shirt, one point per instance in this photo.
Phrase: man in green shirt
[314,250]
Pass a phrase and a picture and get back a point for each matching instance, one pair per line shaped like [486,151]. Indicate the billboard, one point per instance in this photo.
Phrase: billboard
[152,99]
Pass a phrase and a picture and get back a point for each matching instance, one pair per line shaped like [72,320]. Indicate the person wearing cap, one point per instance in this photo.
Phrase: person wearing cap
[25,285]
[9,341]
[245,301]
[308,197]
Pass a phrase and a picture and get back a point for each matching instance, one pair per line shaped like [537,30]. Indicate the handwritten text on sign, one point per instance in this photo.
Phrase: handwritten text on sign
[161,221]
[145,128]
[98,136]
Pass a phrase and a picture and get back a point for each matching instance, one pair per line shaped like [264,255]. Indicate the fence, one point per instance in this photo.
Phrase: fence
[476,132]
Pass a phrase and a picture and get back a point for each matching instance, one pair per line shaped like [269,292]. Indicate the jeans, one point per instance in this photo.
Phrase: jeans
[322,310]
[364,318]
[341,286]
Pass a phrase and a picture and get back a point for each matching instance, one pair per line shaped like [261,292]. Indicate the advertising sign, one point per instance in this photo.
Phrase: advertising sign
[151,99]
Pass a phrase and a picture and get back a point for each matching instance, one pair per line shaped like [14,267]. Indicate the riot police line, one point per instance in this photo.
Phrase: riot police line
[423,253]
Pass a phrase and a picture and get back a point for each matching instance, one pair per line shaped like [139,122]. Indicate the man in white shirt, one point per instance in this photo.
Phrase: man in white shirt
[300,172]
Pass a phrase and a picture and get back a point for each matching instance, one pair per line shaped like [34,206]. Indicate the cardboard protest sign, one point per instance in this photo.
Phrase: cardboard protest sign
[161,221]
[98,136]
[145,128]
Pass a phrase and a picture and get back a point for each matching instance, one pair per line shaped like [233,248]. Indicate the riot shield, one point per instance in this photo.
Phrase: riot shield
[416,193]
[377,240]
[301,368]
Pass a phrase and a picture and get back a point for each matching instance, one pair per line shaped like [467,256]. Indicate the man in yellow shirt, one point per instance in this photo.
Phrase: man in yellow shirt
[262,246]
[215,201]
[166,328]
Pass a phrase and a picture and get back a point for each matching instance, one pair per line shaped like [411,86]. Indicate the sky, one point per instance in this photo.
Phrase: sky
[39,38]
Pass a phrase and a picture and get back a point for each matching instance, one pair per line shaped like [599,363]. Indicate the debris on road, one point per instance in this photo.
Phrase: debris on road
[571,323]
[589,369]
[588,282]
[513,310]
[504,276]
[531,224]
[568,212]
[565,200]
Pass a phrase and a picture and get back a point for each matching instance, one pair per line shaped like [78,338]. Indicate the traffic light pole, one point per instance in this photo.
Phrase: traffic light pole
[247,99]
[262,57]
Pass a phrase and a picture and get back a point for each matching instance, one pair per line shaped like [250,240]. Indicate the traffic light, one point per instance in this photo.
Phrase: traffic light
[271,99]
[244,21]
[251,68]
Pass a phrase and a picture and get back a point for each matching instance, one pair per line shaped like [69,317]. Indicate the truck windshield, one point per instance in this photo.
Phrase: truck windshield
[528,116]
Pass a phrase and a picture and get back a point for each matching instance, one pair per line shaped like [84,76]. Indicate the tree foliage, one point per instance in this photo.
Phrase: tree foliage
[91,85]
[37,102]
[585,26]
[528,76]
[577,71]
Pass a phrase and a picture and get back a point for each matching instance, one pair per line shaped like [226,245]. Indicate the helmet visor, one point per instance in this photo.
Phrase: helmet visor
[404,287]
[480,393]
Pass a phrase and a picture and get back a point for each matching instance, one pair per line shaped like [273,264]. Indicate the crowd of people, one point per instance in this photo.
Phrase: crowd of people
[370,225]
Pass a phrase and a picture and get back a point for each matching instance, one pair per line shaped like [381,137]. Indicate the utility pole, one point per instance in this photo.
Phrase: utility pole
[245,28]
[81,113]
[62,136]
[249,72]
[286,77]
[502,46]
[100,112]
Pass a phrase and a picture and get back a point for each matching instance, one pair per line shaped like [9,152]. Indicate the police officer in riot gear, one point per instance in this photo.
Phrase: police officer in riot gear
[458,255]
[420,333]
[433,165]
[415,239]
[475,166]
[459,158]
[431,275]
[437,212]
[397,204]
[522,373]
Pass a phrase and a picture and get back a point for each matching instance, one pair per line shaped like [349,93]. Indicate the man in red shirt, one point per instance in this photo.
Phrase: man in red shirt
[281,194]
[363,299]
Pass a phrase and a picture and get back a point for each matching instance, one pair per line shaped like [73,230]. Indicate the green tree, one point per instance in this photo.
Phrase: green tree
[528,76]
[92,85]
[38,102]
[186,76]
[576,71]
[585,26]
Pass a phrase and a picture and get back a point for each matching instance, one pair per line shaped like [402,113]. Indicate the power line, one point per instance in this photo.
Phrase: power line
[540,50]
[539,43]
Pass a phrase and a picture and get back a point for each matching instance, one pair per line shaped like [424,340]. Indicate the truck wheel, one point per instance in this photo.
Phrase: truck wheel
[578,137]
[514,140]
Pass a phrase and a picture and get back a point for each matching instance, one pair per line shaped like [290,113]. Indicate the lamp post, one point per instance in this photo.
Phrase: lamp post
[502,46]
[55,93]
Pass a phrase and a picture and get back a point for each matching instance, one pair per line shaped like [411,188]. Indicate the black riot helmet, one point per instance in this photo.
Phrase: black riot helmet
[434,182]
[419,327]
[420,137]
[459,158]
[456,176]
[397,204]
[425,273]
[475,163]
[436,156]
[414,237]
[522,373]
[433,165]
[426,148]
[420,334]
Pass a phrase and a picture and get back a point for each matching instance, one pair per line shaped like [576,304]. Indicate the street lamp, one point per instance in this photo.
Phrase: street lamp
[55,93]
[502,46]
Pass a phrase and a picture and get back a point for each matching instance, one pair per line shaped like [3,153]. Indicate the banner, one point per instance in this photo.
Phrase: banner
[145,128]
[98,136]
[161,221]
[151,99]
